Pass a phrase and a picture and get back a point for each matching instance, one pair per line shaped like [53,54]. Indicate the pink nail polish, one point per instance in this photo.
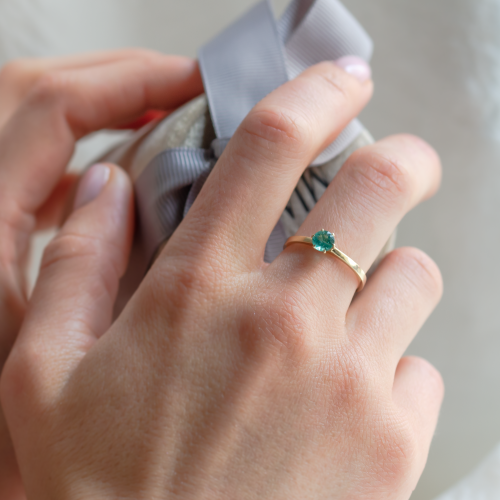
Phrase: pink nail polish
[356,67]
[91,184]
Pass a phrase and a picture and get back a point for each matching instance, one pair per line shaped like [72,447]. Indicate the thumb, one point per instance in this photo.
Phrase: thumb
[72,303]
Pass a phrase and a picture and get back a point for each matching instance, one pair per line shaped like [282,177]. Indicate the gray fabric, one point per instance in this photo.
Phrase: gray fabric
[240,67]
[166,189]
[256,55]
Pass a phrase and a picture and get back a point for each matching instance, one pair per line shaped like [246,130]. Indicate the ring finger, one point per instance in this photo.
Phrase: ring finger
[363,205]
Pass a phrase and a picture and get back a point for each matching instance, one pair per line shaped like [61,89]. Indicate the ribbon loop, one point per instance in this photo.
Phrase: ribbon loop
[240,67]
[162,191]
[256,55]
[323,30]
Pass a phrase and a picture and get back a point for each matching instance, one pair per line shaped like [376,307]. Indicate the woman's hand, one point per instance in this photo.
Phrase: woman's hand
[45,106]
[224,377]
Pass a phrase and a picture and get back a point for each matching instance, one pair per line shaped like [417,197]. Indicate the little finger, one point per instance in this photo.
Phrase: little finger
[398,299]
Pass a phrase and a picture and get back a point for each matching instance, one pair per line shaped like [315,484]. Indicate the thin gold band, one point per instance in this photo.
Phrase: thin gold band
[334,251]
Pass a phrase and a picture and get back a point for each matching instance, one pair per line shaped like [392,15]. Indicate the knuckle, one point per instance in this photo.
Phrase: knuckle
[180,285]
[420,269]
[182,280]
[14,72]
[78,247]
[277,324]
[50,87]
[22,378]
[385,178]
[147,61]
[283,322]
[150,57]
[69,246]
[14,224]
[88,256]
[11,382]
[434,376]
[396,451]
[270,128]
[351,381]
[144,54]
[334,80]
[428,373]
[417,145]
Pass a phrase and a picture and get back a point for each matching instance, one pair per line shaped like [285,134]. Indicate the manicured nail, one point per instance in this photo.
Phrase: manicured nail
[356,67]
[91,184]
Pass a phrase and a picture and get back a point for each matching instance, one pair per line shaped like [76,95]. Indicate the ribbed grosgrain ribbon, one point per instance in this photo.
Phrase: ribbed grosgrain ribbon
[240,67]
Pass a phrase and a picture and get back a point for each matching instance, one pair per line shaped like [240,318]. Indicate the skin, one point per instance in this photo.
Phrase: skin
[225,377]
[34,193]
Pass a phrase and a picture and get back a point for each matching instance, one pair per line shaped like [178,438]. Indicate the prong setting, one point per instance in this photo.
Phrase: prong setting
[323,241]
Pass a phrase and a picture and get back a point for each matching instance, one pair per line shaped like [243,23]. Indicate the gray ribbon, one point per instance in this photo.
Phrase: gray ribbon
[240,67]
[167,188]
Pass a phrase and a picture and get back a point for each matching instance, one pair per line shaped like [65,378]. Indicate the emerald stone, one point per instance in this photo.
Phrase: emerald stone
[323,241]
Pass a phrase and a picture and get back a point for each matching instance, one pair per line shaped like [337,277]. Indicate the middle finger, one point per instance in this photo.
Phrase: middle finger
[249,188]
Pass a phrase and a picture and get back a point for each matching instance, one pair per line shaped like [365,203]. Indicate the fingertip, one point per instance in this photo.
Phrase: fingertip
[91,184]
[103,181]
[104,206]
[120,182]
[356,67]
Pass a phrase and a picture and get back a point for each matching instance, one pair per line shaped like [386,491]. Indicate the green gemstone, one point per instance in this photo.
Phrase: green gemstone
[323,241]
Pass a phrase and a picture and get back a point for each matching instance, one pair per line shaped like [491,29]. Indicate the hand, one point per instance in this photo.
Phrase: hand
[225,378]
[45,106]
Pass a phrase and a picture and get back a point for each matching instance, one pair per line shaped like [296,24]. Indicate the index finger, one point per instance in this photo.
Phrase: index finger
[18,76]
[65,105]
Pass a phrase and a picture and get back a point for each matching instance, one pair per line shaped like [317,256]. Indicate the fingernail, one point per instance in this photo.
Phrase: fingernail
[91,184]
[356,67]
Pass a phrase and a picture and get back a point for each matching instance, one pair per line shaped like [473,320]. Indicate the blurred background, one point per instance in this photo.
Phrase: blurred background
[437,74]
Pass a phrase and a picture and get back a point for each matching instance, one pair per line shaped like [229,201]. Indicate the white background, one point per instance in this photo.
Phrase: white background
[437,74]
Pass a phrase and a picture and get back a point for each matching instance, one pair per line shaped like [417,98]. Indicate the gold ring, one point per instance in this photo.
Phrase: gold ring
[324,242]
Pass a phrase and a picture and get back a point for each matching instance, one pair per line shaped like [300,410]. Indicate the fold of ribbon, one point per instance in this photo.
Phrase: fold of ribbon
[257,54]
[240,67]
[165,191]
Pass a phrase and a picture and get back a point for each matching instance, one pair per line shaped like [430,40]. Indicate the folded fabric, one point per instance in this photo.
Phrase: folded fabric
[170,161]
